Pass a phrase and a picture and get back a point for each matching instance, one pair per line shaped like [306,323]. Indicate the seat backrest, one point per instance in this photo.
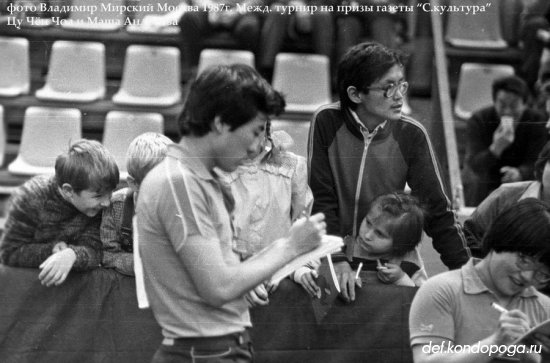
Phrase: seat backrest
[122,127]
[76,67]
[474,86]
[303,78]
[214,57]
[479,30]
[48,132]
[151,71]
[14,66]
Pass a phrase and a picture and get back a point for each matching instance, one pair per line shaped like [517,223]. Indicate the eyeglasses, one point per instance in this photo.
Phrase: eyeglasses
[389,90]
[528,263]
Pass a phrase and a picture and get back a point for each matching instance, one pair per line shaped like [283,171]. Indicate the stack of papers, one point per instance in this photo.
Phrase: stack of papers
[329,244]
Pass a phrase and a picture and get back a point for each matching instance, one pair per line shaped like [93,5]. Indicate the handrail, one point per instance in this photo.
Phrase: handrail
[443,100]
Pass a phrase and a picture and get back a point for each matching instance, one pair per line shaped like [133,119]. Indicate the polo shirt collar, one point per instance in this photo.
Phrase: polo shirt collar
[362,127]
[532,191]
[473,284]
[182,154]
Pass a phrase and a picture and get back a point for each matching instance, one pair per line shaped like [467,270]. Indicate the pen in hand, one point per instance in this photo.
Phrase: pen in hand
[499,308]
[358,270]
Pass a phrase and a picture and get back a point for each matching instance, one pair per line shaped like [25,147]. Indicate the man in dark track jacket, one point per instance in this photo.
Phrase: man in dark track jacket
[363,147]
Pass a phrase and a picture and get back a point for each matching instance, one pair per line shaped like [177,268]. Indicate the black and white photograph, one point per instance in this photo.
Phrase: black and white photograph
[274,181]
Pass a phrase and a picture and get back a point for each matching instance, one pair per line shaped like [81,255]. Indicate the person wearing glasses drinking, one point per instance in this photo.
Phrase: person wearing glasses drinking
[363,147]
[467,315]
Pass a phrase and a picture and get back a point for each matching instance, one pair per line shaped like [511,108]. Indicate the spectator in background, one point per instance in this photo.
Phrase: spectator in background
[279,28]
[363,147]
[503,140]
[53,222]
[196,26]
[144,153]
[455,308]
[505,196]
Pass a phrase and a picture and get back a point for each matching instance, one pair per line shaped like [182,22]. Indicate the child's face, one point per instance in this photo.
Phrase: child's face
[374,237]
[90,202]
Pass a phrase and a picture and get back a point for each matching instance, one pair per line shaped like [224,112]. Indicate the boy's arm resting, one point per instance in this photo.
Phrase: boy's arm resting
[321,180]
[17,247]
[426,183]
[88,251]
[122,262]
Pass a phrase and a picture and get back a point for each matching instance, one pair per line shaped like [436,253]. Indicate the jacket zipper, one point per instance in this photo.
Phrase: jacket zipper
[367,137]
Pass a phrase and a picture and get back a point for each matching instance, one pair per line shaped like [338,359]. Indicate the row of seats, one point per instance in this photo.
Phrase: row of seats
[76,73]
[151,75]
[48,131]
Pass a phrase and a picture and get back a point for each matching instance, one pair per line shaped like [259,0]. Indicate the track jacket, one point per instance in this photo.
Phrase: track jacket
[348,168]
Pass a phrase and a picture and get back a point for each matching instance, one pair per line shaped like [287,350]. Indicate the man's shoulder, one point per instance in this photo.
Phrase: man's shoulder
[512,188]
[410,124]
[328,112]
[166,176]
[448,280]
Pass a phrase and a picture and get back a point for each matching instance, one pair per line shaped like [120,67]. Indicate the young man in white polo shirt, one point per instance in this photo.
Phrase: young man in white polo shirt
[194,280]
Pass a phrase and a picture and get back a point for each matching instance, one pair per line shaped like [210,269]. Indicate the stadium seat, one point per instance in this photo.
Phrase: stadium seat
[161,19]
[474,86]
[107,17]
[47,132]
[482,30]
[122,127]
[76,72]
[304,79]
[151,76]
[212,57]
[14,67]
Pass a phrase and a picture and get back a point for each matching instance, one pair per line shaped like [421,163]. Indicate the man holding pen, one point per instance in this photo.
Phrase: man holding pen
[488,303]
[194,280]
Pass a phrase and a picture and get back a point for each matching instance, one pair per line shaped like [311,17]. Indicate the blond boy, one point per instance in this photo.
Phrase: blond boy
[144,153]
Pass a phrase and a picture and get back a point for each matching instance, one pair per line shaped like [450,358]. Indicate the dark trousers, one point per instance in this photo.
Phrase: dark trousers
[195,27]
[275,32]
[234,348]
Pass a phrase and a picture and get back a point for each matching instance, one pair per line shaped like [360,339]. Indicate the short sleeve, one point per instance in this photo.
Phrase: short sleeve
[431,314]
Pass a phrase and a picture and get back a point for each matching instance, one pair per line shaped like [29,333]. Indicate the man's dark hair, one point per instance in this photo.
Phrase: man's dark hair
[512,84]
[361,66]
[523,227]
[235,93]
